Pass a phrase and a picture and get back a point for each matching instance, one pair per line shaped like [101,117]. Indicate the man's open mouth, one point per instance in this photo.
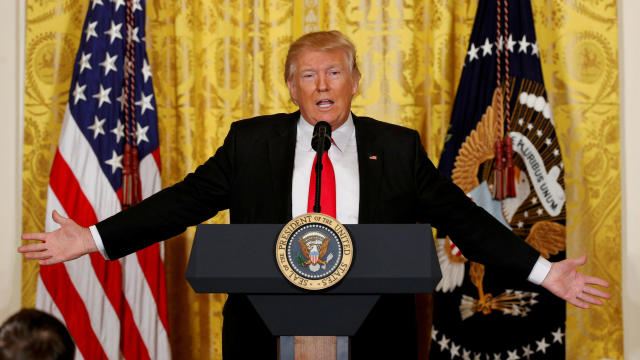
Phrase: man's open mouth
[325,103]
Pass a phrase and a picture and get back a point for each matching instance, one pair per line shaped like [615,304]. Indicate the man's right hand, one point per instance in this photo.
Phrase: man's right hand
[68,242]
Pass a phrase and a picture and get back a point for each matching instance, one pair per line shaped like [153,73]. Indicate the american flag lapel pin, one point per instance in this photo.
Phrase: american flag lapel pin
[373,157]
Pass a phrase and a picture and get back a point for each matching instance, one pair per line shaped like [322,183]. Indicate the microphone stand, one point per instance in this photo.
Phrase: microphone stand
[322,134]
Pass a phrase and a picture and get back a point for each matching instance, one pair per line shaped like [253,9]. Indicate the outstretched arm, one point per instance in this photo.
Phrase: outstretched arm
[564,281]
[68,242]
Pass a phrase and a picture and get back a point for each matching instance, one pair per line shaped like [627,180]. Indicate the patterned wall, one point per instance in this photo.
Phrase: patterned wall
[218,61]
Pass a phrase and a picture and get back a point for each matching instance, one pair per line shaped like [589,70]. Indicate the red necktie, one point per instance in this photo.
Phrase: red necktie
[328,190]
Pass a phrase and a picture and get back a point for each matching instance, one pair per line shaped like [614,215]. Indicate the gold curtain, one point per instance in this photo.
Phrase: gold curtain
[218,61]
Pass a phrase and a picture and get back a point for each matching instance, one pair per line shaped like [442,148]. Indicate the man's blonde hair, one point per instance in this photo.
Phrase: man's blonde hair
[321,41]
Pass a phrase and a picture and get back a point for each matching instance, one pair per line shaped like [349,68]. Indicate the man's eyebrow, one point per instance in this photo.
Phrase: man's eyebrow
[334,65]
[327,67]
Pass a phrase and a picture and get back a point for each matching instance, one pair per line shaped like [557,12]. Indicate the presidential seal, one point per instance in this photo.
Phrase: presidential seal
[314,251]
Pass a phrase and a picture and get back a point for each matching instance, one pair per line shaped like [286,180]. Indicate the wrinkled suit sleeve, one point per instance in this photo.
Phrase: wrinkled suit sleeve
[478,234]
[169,212]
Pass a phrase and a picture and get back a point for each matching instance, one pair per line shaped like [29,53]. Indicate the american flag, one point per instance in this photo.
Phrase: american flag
[113,309]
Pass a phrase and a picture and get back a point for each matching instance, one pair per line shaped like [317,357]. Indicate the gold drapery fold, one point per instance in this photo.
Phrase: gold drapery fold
[218,61]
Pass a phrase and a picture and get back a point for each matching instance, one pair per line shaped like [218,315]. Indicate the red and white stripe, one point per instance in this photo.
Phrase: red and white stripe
[113,309]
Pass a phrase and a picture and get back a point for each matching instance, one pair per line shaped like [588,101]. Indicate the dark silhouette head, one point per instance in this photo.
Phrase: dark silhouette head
[33,334]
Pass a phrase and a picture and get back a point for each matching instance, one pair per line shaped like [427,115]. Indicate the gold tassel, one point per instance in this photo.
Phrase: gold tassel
[498,172]
[130,177]
[510,182]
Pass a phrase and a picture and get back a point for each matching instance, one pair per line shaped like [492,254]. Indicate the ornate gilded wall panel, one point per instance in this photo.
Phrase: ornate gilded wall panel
[218,61]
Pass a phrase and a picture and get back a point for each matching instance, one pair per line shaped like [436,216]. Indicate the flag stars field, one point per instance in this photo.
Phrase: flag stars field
[109,63]
[444,343]
[78,93]
[523,44]
[473,52]
[115,162]
[542,346]
[84,62]
[454,350]
[117,3]
[146,70]
[557,335]
[534,49]
[91,30]
[97,126]
[96,2]
[513,355]
[145,103]
[466,354]
[510,43]
[103,96]
[136,5]
[118,131]
[134,33]
[120,99]
[486,47]
[141,133]
[114,32]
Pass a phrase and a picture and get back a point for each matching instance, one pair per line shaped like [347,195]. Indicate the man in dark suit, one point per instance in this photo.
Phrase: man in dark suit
[262,172]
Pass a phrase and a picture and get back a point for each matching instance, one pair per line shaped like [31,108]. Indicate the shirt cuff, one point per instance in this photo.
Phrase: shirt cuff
[539,271]
[98,240]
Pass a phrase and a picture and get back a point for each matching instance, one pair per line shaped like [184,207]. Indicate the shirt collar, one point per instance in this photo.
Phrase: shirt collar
[340,136]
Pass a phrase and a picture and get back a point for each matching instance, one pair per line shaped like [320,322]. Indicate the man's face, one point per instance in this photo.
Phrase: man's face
[323,87]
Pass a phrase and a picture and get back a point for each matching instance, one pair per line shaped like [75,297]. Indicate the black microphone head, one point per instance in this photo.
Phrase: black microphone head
[321,132]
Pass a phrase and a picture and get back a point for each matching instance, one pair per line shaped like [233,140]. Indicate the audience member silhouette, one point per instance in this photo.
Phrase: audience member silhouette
[33,334]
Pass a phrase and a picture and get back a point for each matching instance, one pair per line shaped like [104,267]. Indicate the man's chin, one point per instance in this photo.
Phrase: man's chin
[334,121]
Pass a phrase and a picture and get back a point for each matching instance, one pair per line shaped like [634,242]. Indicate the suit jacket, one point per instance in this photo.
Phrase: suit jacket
[251,174]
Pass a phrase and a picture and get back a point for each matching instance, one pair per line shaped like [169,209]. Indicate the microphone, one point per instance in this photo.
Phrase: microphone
[320,142]
[321,134]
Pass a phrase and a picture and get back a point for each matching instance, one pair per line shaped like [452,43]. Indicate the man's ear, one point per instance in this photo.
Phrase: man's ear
[292,91]
[355,85]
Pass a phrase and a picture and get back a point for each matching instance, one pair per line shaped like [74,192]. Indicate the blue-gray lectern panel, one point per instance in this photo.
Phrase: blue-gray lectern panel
[240,258]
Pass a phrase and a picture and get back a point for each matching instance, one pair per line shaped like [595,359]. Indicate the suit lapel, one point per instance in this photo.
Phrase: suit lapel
[370,163]
[282,148]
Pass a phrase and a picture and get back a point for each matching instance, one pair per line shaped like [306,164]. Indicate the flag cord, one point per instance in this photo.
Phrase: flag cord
[130,173]
[504,182]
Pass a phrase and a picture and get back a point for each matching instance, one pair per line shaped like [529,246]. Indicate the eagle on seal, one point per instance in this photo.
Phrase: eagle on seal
[314,246]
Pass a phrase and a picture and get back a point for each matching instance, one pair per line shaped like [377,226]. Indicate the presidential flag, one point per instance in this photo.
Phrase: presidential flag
[502,150]
[107,158]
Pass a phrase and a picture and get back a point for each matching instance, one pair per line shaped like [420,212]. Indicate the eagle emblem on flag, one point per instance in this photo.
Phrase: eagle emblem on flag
[502,150]
[531,213]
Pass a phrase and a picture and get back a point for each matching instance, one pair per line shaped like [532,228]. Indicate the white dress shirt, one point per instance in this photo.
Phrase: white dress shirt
[344,158]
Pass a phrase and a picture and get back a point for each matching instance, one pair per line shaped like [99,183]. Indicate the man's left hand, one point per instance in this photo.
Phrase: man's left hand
[564,281]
